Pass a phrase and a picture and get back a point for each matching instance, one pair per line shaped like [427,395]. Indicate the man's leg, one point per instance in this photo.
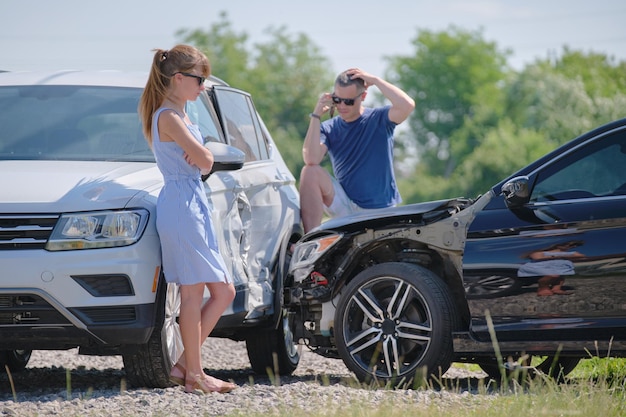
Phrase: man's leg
[316,190]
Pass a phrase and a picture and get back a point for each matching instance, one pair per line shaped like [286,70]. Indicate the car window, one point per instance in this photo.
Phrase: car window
[242,125]
[593,170]
[71,123]
[199,114]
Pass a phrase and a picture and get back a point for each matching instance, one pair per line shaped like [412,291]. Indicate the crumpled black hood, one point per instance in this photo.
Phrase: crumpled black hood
[373,218]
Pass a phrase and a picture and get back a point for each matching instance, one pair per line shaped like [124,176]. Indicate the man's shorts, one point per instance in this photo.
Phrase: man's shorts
[342,205]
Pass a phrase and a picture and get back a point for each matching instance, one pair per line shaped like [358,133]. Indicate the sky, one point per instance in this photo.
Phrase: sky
[120,34]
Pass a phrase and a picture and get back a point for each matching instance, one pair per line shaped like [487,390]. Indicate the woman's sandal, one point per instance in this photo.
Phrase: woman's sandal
[177,379]
[201,383]
[544,292]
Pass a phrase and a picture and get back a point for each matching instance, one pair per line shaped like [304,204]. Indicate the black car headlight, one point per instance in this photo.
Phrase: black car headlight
[98,229]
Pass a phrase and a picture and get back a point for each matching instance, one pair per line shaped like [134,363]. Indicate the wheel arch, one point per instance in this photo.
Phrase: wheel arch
[271,348]
[440,262]
[280,270]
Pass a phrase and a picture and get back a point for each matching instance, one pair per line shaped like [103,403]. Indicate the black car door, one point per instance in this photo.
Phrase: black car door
[555,267]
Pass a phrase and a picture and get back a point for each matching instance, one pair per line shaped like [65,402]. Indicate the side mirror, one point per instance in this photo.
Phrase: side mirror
[226,158]
[516,191]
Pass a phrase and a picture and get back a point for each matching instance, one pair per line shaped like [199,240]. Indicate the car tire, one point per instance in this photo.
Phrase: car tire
[150,364]
[15,360]
[554,367]
[274,351]
[393,322]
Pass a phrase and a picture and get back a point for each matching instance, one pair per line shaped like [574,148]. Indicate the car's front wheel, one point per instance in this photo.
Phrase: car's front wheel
[274,351]
[150,365]
[15,360]
[394,320]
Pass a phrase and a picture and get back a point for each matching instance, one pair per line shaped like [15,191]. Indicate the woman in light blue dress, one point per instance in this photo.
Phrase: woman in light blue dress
[189,248]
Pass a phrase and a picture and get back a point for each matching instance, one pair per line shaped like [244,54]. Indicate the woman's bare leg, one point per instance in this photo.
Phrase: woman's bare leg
[190,319]
[222,295]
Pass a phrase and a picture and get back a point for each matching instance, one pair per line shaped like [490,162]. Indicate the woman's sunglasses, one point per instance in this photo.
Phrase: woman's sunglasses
[346,101]
[197,77]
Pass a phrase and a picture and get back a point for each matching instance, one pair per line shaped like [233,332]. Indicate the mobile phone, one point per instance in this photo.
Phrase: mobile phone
[331,112]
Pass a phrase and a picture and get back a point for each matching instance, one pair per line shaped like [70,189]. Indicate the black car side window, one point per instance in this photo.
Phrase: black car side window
[592,170]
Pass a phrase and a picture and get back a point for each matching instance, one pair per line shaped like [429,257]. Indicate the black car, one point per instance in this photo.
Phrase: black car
[539,261]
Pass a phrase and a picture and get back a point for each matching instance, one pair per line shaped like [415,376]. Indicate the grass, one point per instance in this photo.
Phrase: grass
[596,388]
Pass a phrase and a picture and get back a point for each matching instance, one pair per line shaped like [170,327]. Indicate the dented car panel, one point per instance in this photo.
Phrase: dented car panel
[260,213]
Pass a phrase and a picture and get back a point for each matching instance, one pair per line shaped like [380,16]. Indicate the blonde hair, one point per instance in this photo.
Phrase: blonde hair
[165,64]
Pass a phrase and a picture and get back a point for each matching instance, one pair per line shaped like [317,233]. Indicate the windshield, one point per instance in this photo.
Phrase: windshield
[74,123]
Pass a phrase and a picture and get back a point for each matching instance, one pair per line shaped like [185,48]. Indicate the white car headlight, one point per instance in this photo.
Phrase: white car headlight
[98,229]
[308,252]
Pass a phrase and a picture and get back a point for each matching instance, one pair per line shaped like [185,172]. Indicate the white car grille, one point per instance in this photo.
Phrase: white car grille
[25,231]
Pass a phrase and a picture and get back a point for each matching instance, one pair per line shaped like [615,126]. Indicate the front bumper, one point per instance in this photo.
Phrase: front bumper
[93,299]
[30,319]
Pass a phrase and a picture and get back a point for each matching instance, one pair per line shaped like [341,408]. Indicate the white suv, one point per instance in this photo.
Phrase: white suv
[79,253]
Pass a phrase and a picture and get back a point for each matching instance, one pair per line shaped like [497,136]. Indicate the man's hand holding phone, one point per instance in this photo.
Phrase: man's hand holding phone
[325,104]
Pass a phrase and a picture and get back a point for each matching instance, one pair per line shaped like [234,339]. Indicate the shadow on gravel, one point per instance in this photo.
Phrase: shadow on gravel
[470,384]
[53,381]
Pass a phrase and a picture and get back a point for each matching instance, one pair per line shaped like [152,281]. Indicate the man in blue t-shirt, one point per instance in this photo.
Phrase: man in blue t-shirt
[359,142]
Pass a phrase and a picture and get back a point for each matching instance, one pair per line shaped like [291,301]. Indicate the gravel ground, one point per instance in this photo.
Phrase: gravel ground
[97,388]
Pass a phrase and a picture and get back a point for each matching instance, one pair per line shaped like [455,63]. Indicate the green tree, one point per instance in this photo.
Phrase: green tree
[450,75]
[543,106]
[601,74]
[476,121]
[225,48]
[289,74]
[505,149]
[567,96]
[284,75]
[551,103]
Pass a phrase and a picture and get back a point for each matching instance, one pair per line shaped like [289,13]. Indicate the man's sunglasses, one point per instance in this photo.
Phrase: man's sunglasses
[346,101]
[197,77]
